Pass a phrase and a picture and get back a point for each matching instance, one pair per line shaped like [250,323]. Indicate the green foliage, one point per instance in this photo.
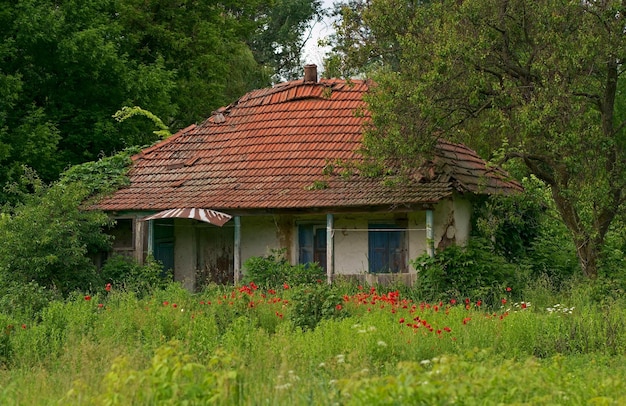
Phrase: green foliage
[173,377]
[127,112]
[312,304]
[524,229]
[273,270]
[48,238]
[103,176]
[285,22]
[24,300]
[165,348]
[473,272]
[545,89]
[125,273]
[67,67]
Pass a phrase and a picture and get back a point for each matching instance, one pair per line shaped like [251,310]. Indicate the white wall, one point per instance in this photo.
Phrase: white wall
[185,253]
[258,236]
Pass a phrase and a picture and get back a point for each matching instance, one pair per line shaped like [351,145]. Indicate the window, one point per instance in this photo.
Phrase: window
[312,244]
[122,233]
[387,253]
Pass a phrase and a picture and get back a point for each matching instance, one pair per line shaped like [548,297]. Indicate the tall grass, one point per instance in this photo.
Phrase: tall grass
[246,346]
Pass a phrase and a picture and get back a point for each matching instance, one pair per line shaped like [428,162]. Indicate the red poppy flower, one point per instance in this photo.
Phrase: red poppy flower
[465,320]
[87,297]
[524,305]
[107,287]
[166,303]
[174,305]
[508,289]
[401,321]
[479,303]
[285,286]
[24,326]
[100,305]
[447,329]
[467,300]
[452,301]
[338,307]
[503,301]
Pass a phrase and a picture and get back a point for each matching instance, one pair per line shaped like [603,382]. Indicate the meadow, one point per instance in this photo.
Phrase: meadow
[316,345]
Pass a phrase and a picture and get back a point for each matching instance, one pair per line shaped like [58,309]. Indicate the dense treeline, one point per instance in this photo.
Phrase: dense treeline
[67,66]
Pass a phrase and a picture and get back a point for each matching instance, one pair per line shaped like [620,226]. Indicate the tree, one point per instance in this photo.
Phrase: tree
[47,238]
[67,66]
[541,80]
[280,40]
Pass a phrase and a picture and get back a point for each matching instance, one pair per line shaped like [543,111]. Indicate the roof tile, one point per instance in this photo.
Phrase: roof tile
[269,148]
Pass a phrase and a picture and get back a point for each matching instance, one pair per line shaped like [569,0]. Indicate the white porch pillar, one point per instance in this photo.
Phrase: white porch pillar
[430,238]
[237,253]
[150,237]
[139,240]
[330,251]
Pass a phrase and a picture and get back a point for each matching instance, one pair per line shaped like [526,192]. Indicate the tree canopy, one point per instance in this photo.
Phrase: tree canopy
[540,81]
[66,67]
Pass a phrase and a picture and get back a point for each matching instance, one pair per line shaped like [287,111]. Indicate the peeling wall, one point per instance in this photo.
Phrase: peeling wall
[215,247]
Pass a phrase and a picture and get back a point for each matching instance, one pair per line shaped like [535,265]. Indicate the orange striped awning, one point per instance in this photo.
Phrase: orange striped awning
[208,216]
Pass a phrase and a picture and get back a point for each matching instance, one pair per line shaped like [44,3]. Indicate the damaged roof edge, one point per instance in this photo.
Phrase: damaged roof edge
[166,141]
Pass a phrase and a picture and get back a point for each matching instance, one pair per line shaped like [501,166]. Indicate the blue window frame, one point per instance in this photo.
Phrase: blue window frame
[386,248]
[312,244]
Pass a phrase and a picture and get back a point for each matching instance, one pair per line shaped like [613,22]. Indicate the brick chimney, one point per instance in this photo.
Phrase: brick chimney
[310,73]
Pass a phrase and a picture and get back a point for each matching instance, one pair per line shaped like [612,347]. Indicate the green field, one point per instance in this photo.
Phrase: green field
[315,345]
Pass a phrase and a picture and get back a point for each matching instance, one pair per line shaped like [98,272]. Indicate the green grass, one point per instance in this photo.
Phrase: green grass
[240,346]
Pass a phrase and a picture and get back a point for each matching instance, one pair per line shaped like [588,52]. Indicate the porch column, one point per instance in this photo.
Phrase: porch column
[150,237]
[330,247]
[237,253]
[430,238]
[139,240]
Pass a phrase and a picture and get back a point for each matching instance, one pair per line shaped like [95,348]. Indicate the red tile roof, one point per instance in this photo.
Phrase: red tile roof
[268,150]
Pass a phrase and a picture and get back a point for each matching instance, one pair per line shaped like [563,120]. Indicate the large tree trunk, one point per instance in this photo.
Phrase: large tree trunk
[588,253]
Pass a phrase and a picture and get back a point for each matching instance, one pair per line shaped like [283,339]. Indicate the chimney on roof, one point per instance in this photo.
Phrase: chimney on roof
[310,73]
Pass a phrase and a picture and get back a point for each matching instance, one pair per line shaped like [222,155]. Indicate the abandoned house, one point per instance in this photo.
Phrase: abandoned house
[258,175]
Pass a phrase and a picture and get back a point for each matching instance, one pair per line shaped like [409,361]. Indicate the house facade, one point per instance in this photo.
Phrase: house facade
[266,173]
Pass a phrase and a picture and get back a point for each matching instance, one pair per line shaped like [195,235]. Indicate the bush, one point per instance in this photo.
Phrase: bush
[25,301]
[48,238]
[312,304]
[466,272]
[125,273]
[273,271]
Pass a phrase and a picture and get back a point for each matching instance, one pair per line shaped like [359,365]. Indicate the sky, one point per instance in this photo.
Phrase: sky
[312,52]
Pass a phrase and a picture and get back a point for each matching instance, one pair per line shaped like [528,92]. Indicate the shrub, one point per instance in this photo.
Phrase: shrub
[126,273]
[312,304]
[474,271]
[25,301]
[273,271]
[47,239]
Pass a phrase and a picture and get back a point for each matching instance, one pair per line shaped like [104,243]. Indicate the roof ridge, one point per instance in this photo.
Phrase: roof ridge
[268,95]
